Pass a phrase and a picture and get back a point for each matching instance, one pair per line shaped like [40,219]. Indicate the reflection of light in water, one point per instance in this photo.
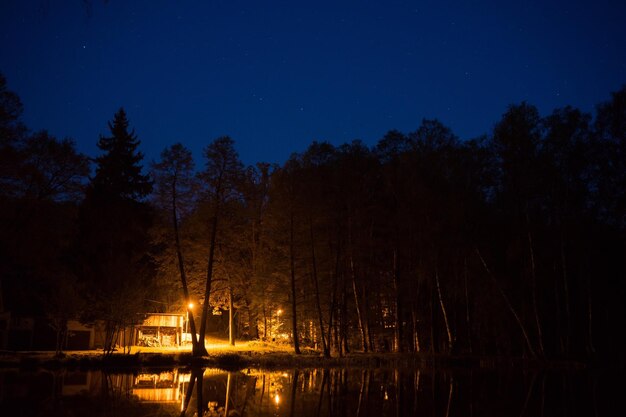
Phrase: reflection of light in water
[386,395]
[184,381]
[277,399]
[158,388]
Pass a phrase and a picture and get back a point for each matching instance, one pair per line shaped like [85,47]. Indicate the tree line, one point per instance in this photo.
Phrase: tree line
[509,244]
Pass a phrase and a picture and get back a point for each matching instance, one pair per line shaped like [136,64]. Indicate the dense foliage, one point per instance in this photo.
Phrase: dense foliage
[509,244]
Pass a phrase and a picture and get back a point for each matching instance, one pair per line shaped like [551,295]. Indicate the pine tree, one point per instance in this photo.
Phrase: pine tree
[114,241]
[118,173]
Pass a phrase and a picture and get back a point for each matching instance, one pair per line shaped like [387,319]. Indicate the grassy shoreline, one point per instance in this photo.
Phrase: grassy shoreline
[236,359]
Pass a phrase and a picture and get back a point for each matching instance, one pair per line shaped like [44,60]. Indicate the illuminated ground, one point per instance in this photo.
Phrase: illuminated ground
[214,346]
[217,346]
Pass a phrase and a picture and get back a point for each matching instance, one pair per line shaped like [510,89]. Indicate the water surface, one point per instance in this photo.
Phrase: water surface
[312,392]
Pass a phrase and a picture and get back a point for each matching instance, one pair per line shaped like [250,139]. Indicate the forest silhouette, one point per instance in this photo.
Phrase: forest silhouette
[511,244]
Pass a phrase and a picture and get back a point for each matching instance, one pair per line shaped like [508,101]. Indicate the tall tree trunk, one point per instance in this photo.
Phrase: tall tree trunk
[366,319]
[508,304]
[568,316]
[357,303]
[264,321]
[61,333]
[181,270]
[333,303]
[201,351]
[467,308]
[533,283]
[557,311]
[231,316]
[397,342]
[331,322]
[292,267]
[433,328]
[414,321]
[445,313]
[344,316]
[318,305]
[415,338]
[590,345]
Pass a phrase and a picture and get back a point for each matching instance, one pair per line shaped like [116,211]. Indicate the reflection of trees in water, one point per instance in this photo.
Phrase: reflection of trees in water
[218,393]
[118,397]
[308,393]
[375,392]
[359,393]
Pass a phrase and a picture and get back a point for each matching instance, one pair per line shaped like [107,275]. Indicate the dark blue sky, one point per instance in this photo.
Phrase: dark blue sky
[276,75]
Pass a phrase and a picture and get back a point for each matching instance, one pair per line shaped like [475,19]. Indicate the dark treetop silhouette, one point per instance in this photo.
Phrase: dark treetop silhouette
[511,244]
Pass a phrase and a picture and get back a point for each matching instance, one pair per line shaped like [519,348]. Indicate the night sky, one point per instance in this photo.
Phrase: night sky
[277,75]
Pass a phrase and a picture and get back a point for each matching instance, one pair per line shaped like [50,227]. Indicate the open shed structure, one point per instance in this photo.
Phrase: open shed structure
[161,330]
